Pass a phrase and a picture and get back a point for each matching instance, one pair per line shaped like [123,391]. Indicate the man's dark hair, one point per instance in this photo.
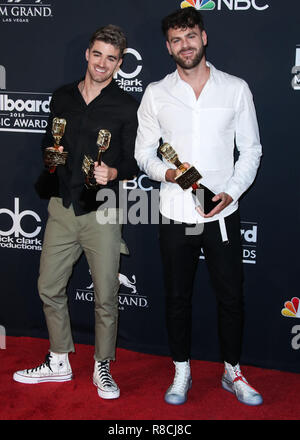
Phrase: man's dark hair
[111,34]
[182,19]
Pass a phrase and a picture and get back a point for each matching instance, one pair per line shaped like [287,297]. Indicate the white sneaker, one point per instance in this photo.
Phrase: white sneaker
[235,382]
[107,387]
[56,368]
[177,393]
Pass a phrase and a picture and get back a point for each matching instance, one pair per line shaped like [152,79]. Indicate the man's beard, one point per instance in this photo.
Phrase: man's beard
[190,63]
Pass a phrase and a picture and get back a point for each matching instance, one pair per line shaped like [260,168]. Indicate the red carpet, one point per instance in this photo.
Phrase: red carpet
[143,380]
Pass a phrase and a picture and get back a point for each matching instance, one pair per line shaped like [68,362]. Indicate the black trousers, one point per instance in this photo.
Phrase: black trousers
[180,255]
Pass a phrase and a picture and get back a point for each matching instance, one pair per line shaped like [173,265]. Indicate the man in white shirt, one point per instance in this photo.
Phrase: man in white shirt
[203,114]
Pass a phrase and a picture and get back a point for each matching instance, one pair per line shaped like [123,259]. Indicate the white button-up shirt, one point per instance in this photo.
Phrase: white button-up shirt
[203,132]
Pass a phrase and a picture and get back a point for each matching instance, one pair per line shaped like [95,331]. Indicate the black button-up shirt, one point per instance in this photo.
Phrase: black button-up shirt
[113,109]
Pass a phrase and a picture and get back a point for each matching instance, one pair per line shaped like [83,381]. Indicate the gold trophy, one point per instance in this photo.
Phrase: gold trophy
[189,178]
[88,164]
[52,155]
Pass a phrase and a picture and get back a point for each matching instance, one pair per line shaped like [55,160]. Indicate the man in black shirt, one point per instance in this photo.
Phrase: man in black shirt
[89,105]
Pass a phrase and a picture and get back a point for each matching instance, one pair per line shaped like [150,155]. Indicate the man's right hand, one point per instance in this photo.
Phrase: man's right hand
[172,173]
[61,149]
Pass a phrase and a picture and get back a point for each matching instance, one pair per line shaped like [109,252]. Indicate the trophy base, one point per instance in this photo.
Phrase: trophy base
[203,198]
[188,177]
[53,157]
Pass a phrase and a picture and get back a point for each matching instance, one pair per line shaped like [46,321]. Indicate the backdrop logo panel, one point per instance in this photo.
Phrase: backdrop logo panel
[141,182]
[296,339]
[13,11]
[295,70]
[291,308]
[128,295]
[232,5]
[249,242]
[23,111]
[20,230]
[128,78]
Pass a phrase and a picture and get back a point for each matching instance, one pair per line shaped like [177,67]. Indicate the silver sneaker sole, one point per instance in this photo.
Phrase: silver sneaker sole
[107,394]
[229,387]
[33,380]
[177,399]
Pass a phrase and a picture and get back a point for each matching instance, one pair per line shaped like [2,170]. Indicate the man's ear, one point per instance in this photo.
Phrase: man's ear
[204,38]
[118,65]
[87,53]
[168,47]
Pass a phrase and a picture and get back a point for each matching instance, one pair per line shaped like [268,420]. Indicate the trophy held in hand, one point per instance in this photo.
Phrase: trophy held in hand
[189,178]
[52,155]
[88,164]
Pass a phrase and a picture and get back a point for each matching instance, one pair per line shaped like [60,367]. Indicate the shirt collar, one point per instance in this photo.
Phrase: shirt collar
[105,90]
[179,87]
[212,76]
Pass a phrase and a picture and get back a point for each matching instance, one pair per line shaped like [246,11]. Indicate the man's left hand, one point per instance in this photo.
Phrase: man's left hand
[225,200]
[103,173]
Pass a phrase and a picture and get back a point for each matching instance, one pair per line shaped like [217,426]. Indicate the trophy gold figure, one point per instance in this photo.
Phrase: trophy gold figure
[189,178]
[52,155]
[88,164]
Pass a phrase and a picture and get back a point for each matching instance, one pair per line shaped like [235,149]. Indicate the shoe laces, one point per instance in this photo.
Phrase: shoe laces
[104,373]
[46,363]
[242,382]
[180,379]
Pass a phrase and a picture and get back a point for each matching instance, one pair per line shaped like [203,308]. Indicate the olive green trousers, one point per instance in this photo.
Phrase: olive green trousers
[66,237]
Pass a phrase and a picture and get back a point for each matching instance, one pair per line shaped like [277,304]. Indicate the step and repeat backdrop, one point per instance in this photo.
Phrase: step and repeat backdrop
[42,47]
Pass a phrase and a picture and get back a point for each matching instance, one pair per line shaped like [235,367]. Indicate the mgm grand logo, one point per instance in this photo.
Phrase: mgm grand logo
[21,11]
[128,295]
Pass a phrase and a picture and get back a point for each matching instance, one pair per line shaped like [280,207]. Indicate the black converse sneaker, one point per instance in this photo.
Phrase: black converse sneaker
[107,387]
[56,368]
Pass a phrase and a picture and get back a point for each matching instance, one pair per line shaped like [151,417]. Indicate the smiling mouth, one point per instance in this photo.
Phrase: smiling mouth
[99,70]
[186,53]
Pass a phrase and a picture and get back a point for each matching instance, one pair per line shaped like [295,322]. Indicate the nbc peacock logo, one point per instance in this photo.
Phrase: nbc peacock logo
[200,5]
[291,308]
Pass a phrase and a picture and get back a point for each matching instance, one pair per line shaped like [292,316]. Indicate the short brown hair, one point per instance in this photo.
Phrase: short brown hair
[111,34]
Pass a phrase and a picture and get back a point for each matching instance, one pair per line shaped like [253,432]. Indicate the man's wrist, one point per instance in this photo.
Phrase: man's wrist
[113,174]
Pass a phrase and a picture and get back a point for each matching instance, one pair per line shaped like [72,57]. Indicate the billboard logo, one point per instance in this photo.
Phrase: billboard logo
[296,70]
[23,111]
[249,242]
[291,308]
[128,79]
[232,5]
